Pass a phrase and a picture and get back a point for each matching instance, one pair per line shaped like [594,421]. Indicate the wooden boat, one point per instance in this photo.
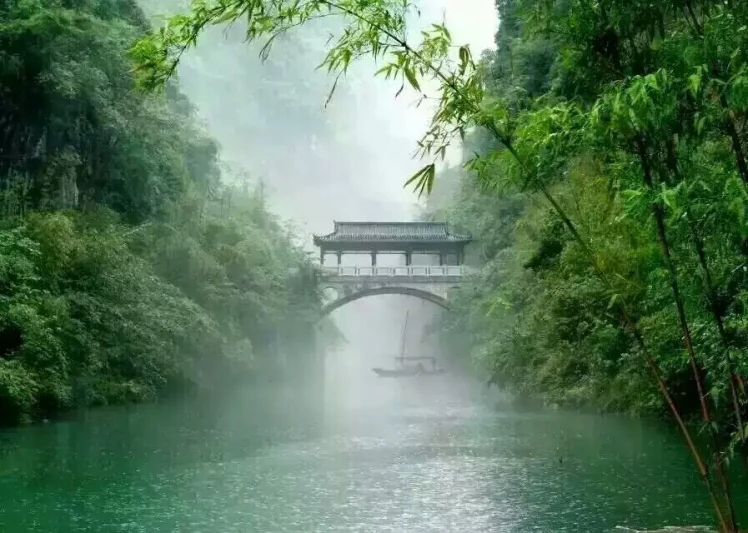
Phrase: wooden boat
[404,371]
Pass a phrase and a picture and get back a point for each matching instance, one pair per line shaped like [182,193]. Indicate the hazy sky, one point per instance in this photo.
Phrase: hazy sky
[471,21]
[345,162]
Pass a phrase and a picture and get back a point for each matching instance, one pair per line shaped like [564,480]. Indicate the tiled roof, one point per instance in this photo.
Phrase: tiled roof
[391,232]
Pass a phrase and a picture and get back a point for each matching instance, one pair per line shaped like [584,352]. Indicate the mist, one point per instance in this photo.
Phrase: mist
[319,161]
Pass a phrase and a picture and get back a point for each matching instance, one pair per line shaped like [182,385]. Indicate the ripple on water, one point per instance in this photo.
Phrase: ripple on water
[461,469]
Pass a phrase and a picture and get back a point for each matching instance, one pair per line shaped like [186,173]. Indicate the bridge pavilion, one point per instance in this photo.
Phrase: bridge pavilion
[406,238]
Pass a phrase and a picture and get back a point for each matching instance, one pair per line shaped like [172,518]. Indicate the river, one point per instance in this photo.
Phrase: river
[398,456]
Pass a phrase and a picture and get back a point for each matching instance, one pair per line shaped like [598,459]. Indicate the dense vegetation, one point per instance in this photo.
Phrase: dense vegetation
[608,191]
[541,321]
[128,266]
[537,321]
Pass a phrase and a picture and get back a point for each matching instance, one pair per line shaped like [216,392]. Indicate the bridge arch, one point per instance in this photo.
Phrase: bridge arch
[404,291]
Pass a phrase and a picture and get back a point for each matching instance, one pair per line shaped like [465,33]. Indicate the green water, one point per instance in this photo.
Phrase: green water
[429,458]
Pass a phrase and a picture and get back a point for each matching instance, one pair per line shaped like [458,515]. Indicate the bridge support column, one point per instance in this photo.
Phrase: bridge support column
[373,259]
[340,257]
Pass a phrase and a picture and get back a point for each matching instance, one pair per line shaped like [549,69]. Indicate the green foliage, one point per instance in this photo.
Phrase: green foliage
[126,267]
[74,131]
[536,319]
[630,143]
[94,311]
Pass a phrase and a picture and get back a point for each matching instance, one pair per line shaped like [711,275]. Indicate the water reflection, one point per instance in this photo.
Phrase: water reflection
[435,458]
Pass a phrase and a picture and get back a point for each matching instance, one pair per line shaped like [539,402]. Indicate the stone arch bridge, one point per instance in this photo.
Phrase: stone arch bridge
[437,251]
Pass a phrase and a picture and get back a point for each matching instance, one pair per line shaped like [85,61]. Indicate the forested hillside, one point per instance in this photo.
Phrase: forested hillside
[128,263]
[540,321]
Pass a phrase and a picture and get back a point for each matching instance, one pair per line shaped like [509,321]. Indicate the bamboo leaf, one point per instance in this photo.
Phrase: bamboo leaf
[423,180]
[411,77]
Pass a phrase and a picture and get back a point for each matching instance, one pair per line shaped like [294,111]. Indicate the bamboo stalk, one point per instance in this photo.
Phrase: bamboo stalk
[735,381]
[700,465]
[661,231]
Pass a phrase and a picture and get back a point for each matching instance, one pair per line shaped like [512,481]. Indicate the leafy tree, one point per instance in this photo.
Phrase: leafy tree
[74,130]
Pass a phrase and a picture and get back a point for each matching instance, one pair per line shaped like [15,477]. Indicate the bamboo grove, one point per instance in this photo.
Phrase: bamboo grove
[612,135]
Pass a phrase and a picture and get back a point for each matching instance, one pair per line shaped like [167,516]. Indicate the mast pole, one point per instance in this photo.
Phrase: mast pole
[402,338]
